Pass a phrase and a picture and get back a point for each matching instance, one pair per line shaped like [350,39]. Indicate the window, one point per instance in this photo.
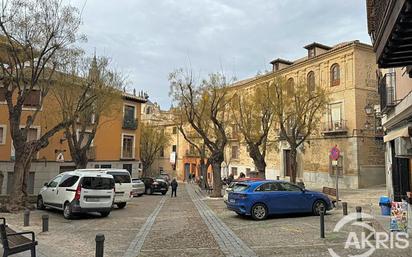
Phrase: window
[174,130]
[129,112]
[32,99]
[267,187]
[97,183]
[311,82]
[2,134]
[127,147]
[69,181]
[174,148]
[55,181]
[106,166]
[148,110]
[311,52]
[239,187]
[290,187]
[120,177]
[3,94]
[32,134]
[334,75]
[235,152]
[290,87]
[234,171]
[335,113]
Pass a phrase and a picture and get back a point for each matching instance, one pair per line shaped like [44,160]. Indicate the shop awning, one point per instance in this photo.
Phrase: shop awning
[403,132]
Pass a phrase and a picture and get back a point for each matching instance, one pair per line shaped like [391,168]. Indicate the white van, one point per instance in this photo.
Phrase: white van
[123,184]
[78,192]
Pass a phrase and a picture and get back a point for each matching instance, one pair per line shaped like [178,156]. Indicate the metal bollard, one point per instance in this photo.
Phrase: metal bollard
[359,213]
[45,223]
[99,245]
[277,177]
[345,208]
[26,218]
[322,222]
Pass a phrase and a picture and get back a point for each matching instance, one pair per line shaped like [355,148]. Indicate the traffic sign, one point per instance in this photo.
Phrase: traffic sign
[335,153]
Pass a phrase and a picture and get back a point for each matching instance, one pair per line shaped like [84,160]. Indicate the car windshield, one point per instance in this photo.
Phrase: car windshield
[97,183]
[120,177]
[239,187]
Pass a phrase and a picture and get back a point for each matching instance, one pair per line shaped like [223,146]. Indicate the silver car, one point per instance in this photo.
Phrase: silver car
[138,187]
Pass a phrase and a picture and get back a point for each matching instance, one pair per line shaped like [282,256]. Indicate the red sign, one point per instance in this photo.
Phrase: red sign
[335,153]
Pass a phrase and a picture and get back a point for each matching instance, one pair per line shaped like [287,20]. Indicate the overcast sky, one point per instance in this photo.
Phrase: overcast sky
[147,39]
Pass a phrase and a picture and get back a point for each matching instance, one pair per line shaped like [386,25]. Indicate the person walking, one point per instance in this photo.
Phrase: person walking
[174,187]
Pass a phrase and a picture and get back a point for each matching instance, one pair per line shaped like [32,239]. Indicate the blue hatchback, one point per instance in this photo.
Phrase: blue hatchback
[262,198]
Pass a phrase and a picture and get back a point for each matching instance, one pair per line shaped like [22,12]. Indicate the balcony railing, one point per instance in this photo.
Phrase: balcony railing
[130,124]
[334,127]
[387,92]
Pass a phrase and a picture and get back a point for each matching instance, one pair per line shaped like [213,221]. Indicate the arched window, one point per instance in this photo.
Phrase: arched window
[311,81]
[335,75]
[290,87]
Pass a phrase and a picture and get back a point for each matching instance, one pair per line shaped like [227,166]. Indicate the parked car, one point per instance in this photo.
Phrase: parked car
[78,192]
[155,185]
[262,198]
[138,187]
[165,178]
[123,184]
[229,188]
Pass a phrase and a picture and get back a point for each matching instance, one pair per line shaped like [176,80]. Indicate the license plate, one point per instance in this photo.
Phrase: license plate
[231,201]
[93,199]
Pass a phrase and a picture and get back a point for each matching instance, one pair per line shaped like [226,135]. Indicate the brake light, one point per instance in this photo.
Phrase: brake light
[78,192]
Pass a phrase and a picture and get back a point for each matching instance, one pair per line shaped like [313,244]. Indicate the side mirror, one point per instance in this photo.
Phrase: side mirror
[46,184]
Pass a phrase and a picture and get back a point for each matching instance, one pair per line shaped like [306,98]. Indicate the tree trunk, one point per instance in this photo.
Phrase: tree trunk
[217,180]
[293,164]
[258,160]
[203,173]
[81,159]
[22,164]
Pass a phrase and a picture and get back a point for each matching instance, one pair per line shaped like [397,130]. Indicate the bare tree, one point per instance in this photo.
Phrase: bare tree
[153,140]
[35,36]
[298,109]
[205,107]
[254,113]
[99,87]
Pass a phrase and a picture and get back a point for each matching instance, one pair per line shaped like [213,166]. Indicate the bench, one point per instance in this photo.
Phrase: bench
[330,192]
[14,242]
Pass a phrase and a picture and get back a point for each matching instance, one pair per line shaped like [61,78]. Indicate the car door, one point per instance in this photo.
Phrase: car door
[65,191]
[50,194]
[275,198]
[294,198]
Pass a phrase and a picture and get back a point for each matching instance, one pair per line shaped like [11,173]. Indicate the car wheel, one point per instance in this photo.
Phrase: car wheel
[121,205]
[259,211]
[67,211]
[40,204]
[149,191]
[317,206]
[104,214]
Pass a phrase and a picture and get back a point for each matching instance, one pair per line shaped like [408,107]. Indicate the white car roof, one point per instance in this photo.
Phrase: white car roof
[103,170]
[88,174]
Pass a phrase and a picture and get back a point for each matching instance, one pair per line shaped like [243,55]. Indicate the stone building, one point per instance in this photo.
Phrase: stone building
[348,71]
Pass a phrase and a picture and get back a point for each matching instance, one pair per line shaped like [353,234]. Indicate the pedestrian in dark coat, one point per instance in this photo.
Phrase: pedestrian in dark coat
[174,185]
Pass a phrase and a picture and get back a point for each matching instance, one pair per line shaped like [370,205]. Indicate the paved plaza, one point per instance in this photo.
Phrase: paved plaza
[195,225]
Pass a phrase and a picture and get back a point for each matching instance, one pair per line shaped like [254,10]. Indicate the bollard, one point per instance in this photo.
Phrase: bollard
[26,218]
[277,177]
[45,223]
[345,208]
[99,245]
[322,222]
[359,213]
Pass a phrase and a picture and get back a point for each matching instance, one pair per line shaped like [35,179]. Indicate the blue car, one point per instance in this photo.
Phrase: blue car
[262,198]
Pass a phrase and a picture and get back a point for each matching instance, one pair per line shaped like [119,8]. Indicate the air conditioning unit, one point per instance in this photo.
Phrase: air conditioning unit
[403,147]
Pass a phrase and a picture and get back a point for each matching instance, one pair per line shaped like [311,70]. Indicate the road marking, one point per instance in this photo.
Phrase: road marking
[136,245]
[229,243]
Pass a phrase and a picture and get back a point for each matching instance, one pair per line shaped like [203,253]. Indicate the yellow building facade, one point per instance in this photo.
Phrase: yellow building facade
[348,70]
[116,143]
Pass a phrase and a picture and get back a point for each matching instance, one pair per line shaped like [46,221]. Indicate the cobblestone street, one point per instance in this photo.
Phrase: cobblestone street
[191,224]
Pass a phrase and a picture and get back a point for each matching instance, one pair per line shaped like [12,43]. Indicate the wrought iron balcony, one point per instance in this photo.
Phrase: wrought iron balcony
[130,124]
[387,86]
[334,127]
[389,25]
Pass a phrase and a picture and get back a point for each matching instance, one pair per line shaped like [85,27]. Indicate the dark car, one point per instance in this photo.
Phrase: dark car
[155,185]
